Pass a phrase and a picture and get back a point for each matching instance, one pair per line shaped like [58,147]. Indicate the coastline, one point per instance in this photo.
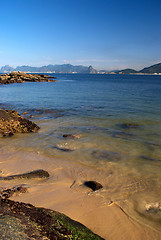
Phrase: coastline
[104,218]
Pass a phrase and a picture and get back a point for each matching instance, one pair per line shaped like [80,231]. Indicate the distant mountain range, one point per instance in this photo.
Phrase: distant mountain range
[68,68]
[64,68]
[150,70]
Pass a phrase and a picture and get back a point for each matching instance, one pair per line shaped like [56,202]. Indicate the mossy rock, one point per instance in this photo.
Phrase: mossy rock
[24,221]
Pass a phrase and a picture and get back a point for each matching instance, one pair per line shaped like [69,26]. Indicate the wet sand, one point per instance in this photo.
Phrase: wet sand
[64,192]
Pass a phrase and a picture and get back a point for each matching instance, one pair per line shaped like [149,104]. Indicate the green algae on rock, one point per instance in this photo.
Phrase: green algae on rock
[39,223]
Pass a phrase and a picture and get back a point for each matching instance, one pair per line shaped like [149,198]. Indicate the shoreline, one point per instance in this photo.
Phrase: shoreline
[104,218]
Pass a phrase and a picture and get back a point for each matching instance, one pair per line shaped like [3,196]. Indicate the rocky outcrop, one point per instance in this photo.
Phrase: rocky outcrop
[20,77]
[11,122]
[24,221]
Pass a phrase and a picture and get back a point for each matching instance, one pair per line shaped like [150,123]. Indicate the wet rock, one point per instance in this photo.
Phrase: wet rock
[107,155]
[153,207]
[12,122]
[6,193]
[72,136]
[30,175]
[24,113]
[20,77]
[129,125]
[7,134]
[93,185]
[24,221]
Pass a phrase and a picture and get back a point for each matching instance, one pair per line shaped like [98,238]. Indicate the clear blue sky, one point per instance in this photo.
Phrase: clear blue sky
[108,34]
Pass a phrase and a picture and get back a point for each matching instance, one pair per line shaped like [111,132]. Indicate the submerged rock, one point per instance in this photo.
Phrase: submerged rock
[72,136]
[107,155]
[93,185]
[129,125]
[24,221]
[63,148]
[12,122]
[33,174]
[149,158]
[20,77]
[123,135]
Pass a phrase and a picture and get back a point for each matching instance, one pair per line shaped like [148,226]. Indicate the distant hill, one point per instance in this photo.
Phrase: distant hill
[127,71]
[64,68]
[149,70]
[152,69]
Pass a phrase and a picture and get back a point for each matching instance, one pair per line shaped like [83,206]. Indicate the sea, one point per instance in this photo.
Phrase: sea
[108,123]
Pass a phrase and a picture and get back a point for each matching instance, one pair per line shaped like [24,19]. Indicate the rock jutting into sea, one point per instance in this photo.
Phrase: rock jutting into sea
[11,122]
[20,77]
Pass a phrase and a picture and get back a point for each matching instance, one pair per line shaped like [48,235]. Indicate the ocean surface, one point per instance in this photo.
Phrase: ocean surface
[116,121]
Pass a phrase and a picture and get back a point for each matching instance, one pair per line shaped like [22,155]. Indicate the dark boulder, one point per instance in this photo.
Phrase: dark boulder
[29,175]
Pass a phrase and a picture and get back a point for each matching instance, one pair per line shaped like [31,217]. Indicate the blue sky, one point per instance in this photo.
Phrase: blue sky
[107,34]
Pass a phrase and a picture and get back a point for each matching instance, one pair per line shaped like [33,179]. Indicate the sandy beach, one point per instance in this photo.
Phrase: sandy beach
[64,192]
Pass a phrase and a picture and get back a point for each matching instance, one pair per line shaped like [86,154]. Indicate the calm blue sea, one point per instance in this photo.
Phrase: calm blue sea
[117,119]
[97,104]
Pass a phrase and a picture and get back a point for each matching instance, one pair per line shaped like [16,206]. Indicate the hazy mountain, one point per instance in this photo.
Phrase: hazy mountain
[6,68]
[68,68]
[152,69]
[64,68]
